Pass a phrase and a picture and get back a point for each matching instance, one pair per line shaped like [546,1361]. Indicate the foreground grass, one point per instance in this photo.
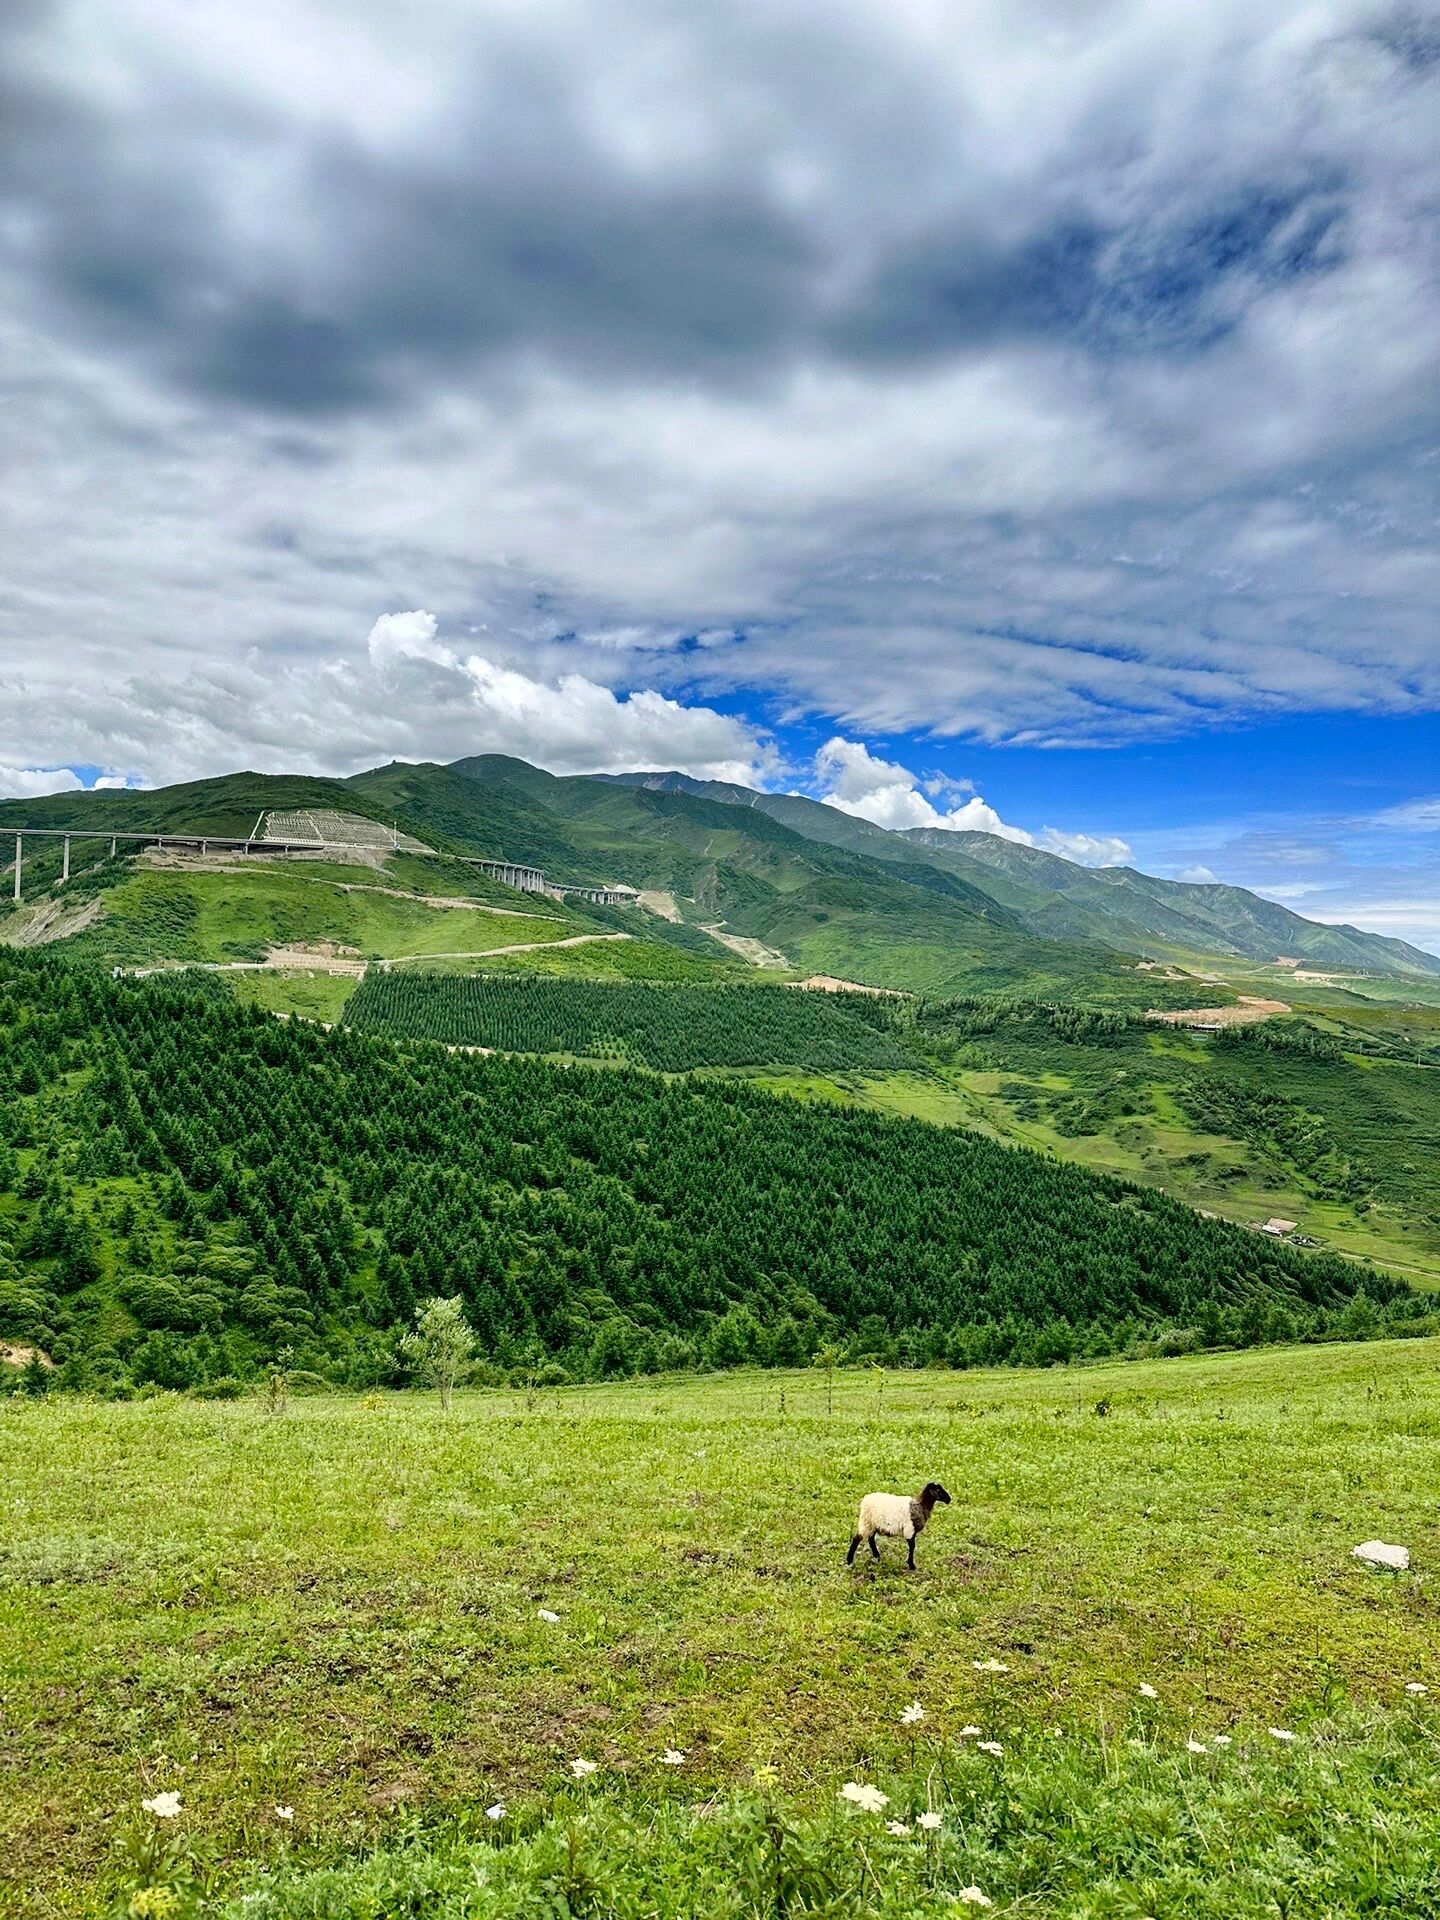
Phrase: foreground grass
[337,1611]
[1342,1822]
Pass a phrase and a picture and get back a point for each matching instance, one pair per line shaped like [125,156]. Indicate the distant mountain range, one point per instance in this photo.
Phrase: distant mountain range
[1117,907]
[929,910]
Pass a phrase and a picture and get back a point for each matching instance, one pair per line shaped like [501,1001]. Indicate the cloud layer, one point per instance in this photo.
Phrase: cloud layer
[900,368]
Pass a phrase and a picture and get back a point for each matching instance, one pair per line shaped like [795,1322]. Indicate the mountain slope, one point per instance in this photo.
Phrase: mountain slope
[1194,916]
[827,908]
[187,1189]
[1117,907]
[906,922]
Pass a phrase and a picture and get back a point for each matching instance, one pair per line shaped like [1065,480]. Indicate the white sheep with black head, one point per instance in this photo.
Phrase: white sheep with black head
[897,1516]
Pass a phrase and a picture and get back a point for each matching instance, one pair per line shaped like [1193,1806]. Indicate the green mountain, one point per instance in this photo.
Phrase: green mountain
[907,921]
[1116,907]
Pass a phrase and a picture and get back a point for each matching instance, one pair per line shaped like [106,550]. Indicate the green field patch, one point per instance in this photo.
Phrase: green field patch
[195,914]
[336,1610]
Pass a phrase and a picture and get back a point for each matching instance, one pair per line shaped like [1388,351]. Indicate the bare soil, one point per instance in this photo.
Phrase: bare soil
[1245,1014]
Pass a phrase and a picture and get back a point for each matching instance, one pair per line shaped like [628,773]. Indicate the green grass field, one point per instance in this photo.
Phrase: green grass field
[336,1611]
[194,915]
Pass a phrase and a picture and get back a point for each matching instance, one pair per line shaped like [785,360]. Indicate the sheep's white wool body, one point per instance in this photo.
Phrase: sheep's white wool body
[887,1513]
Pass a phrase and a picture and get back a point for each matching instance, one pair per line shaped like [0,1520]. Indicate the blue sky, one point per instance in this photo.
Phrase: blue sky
[1018,419]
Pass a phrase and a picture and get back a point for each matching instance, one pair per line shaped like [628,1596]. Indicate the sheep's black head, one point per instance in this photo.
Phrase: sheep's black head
[935,1495]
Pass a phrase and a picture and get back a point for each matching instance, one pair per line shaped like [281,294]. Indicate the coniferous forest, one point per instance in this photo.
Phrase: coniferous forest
[189,1188]
[671,1028]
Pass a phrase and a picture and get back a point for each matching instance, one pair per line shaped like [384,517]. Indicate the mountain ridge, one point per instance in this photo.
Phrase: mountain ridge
[1059,899]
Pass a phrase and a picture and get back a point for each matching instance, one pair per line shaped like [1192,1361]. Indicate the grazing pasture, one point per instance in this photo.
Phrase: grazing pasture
[335,1610]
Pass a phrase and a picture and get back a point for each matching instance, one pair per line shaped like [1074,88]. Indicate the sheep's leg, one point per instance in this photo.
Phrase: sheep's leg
[850,1556]
[910,1560]
[874,1550]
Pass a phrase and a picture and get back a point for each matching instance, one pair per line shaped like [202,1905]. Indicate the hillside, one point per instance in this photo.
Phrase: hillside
[738,872]
[188,1186]
[1055,898]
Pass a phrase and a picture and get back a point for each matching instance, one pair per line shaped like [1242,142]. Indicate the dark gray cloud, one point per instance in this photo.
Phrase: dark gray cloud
[1063,383]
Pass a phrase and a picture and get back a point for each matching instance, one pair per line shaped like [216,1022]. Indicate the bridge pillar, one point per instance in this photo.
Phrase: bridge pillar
[65,862]
[113,840]
[19,856]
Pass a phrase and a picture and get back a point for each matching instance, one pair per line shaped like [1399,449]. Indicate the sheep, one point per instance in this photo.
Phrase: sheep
[894,1513]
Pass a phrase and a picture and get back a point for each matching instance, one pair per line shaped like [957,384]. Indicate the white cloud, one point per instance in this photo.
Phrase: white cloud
[28,783]
[1087,849]
[396,637]
[568,725]
[1415,816]
[856,781]
[1197,876]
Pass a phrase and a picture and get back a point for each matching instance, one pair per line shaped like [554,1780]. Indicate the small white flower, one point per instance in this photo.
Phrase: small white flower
[989,1666]
[912,1714]
[929,1821]
[869,1799]
[1147,1692]
[1136,1742]
[1281,1733]
[973,1897]
[1416,1687]
[897,1827]
[497,1812]
[969,1733]
[284,1813]
[989,1746]
[1223,1740]
[1195,1746]
[544,1613]
[672,1757]
[164,1806]
[580,1768]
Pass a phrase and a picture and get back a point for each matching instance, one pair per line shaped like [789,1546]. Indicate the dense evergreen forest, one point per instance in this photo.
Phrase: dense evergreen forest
[671,1028]
[188,1188]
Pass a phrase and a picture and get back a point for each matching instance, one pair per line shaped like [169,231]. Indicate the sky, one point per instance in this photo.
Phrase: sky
[974,414]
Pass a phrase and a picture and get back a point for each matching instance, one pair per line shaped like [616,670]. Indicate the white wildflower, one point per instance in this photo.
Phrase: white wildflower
[897,1827]
[580,1768]
[284,1813]
[929,1821]
[544,1613]
[1223,1740]
[969,1733]
[164,1806]
[912,1714]
[1416,1687]
[989,1746]
[1147,1692]
[989,1666]
[497,1812]
[868,1799]
[1281,1733]
[1195,1746]
[672,1757]
[973,1897]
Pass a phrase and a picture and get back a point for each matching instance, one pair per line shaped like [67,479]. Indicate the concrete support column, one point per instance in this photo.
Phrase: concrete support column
[65,861]
[19,857]
[113,838]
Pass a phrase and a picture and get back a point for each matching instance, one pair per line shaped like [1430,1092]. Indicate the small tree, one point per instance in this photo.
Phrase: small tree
[440,1345]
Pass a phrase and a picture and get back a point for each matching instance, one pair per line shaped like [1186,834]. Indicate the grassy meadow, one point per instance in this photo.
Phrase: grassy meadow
[335,1610]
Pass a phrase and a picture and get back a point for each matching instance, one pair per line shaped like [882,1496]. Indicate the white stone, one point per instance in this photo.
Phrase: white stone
[1375,1553]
